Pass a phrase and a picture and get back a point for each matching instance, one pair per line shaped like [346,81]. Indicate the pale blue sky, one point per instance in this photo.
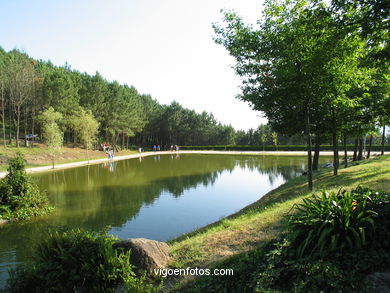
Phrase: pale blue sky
[162,47]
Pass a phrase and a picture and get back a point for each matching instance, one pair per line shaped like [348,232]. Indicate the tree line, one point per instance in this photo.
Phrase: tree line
[315,68]
[39,97]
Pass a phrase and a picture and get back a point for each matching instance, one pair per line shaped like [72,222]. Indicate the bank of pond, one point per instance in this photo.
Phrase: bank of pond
[158,197]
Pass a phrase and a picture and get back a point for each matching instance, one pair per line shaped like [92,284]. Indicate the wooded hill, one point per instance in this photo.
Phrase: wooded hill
[125,116]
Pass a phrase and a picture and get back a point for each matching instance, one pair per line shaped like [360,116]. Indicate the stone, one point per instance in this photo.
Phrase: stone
[379,282]
[146,254]
[2,221]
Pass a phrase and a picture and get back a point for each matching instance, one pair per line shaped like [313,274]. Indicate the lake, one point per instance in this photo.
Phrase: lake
[157,197]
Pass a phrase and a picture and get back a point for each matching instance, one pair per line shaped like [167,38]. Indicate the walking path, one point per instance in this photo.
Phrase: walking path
[146,154]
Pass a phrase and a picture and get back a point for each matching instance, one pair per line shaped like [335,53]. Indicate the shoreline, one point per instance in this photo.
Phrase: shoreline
[260,222]
[147,154]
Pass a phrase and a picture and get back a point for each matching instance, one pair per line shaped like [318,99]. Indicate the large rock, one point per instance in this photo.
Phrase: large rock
[146,254]
[2,221]
[379,282]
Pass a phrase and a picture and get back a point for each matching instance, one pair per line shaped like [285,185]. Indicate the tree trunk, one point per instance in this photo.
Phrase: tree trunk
[25,124]
[345,152]
[17,126]
[309,159]
[87,147]
[10,123]
[383,139]
[113,141]
[335,152]
[335,145]
[369,147]
[355,150]
[33,128]
[360,154]
[316,154]
[3,113]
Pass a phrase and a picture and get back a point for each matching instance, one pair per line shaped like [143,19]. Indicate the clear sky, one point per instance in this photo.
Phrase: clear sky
[164,48]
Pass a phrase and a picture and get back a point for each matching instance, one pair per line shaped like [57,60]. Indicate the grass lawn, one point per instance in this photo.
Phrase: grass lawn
[38,155]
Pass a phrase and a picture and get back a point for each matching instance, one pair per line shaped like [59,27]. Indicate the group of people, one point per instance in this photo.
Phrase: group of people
[156,148]
[174,148]
[105,147]
[110,152]
[107,150]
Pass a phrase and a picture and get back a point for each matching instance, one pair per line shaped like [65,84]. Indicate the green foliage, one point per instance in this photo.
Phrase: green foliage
[51,131]
[124,113]
[312,48]
[20,197]
[268,148]
[305,72]
[77,260]
[336,222]
[281,273]
[87,127]
[29,88]
[335,240]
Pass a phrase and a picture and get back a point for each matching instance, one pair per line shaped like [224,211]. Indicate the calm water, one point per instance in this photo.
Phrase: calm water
[158,197]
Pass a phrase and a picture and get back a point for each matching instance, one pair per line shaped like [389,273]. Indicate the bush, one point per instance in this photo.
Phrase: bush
[282,272]
[333,242]
[333,222]
[76,260]
[20,197]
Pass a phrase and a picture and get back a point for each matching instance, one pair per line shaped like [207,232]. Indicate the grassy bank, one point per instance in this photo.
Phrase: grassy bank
[263,220]
[38,155]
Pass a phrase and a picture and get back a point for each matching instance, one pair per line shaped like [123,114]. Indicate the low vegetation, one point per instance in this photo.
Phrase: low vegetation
[20,197]
[77,261]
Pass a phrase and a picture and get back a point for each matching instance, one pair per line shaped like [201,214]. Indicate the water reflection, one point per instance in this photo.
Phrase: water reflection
[155,197]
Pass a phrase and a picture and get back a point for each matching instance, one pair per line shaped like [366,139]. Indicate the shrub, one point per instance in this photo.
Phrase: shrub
[282,272]
[336,222]
[20,197]
[76,260]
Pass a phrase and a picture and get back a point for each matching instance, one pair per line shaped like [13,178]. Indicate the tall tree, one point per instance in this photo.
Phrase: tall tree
[20,82]
[123,113]
[296,67]
[86,127]
[52,133]
[3,85]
